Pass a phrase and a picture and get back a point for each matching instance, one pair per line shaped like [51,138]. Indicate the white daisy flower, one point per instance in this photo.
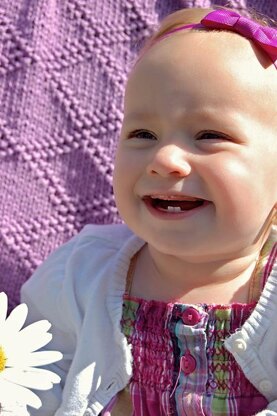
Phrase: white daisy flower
[20,360]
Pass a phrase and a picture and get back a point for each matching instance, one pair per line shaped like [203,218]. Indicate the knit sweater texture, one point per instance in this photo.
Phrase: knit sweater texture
[63,67]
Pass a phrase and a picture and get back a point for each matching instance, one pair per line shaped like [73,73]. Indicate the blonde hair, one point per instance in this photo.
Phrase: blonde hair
[193,16]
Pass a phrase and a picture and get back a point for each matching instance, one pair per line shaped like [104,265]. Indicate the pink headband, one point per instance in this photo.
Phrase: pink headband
[263,36]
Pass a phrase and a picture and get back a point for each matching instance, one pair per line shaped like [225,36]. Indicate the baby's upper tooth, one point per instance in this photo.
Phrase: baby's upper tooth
[174,209]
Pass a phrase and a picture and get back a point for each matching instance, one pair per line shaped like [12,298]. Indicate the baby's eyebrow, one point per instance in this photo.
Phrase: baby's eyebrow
[140,116]
[208,113]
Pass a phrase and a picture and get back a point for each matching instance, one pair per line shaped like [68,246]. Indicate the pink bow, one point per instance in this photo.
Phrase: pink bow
[263,36]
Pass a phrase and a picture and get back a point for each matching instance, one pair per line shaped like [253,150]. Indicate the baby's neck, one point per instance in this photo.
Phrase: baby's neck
[168,278]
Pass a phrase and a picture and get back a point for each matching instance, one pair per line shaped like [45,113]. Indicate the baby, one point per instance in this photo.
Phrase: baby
[177,309]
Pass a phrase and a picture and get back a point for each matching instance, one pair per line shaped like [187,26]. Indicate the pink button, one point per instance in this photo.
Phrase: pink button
[188,363]
[191,316]
[213,384]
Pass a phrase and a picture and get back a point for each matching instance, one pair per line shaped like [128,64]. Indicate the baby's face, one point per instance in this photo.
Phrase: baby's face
[195,170]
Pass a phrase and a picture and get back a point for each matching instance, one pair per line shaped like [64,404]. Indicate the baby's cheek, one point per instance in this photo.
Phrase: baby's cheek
[232,176]
[236,186]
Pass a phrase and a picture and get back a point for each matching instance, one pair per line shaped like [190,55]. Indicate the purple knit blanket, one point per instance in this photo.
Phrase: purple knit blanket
[63,66]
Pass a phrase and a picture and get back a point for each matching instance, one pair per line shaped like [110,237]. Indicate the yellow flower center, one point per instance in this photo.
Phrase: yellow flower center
[3,359]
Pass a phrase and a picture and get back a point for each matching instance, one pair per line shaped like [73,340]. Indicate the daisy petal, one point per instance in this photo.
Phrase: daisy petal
[18,394]
[35,359]
[16,319]
[34,336]
[3,307]
[29,379]
[37,327]
[27,346]
[14,409]
[43,372]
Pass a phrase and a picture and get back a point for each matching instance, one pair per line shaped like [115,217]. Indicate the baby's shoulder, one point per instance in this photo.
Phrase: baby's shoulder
[109,235]
[84,257]
[81,268]
[84,254]
[97,247]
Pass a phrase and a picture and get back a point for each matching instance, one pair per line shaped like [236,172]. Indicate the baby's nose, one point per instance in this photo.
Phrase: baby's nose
[170,160]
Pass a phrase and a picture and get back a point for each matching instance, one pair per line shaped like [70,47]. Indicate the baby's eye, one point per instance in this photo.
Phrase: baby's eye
[211,135]
[142,134]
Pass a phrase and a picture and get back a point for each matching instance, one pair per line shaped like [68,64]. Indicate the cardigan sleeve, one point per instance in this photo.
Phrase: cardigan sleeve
[47,297]
[271,410]
[70,290]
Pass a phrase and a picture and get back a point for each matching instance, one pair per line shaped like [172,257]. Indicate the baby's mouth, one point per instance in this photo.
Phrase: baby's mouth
[174,203]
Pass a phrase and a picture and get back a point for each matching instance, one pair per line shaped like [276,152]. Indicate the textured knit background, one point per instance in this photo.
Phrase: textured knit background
[63,66]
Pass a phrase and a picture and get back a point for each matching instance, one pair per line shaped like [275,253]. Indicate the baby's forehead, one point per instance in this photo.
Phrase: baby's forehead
[227,57]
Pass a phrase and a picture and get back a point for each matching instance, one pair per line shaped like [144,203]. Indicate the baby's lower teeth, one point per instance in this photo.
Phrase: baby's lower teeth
[174,209]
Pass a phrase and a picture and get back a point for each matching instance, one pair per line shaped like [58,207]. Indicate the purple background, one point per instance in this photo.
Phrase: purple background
[63,66]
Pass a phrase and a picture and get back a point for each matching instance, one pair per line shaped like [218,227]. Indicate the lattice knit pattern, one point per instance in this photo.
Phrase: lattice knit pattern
[63,66]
